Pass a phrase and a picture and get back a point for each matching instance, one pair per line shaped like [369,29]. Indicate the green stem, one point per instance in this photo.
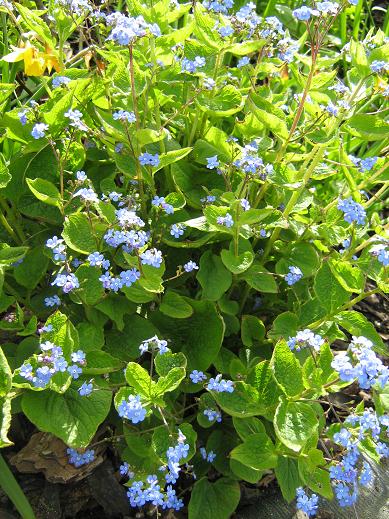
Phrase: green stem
[12,488]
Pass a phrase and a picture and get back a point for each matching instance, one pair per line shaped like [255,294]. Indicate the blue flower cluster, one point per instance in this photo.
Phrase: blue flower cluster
[50,361]
[154,344]
[39,129]
[364,164]
[353,212]
[381,252]
[294,275]
[218,6]
[213,415]
[122,115]
[305,13]
[305,339]
[360,362]
[220,385]
[147,159]
[160,202]
[155,493]
[132,409]
[207,456]
[59,81]
[197,376]
[79,459]
[379,66]
[227,220]
[306,504]
[126,29]
[213,162]
[251,164]
[190,266]
[177,229]
[349,472]
[191,66]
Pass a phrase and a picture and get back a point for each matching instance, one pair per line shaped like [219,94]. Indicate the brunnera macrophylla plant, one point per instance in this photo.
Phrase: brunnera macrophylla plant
[191,206]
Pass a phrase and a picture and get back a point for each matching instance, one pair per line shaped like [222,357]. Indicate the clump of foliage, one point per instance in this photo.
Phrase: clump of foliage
[191,202]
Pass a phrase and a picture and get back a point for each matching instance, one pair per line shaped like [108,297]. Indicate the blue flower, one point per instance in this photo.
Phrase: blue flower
[197,376]
[160,345]
[192,66]
[212,162]
[86,389]
[122,115]
[152,257]
[245,204]
[39,130]
[74,371]
[243,62]
[303,13]
[190,266]
[78,460]
[52,301]
[132,409]
[294,275]
[147,159]
[305,338]
[379,66]
[213,415]
[306,504]
[68,282]
[177,230]
[220,385]
[81,176]
[23,117]
[60,80]
[227,220]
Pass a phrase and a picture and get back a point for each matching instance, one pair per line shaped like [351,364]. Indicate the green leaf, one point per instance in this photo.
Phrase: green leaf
[44,191]
[368,127]
[91,336]
[243,402]
[168,383]
[228,101]
[260,279]
[284,326]
[213,277]
[100,362]
[261,377]
[116,307]
[5,175]
[32,269]
[203,149]
[242,472]
[317,479]
[252,329]
[257,452]
[247,426]
[287,370]
[91,291]
[78,234]
[304,256]
[166,362]
[175,305]
[214,500]
[5,375]
[350,278]
[200,344]
[165,159]
[295,423]
[138,378]
[246,47]
[269,115]
[71,417]
[237,264]
[357,324]
[328,289]
[10,255]
[288,477]
[36,24]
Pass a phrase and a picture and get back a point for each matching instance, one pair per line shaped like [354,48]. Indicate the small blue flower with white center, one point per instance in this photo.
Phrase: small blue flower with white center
[68,282]
[152,257]
[190,266]
[225,31]
[119,147]
[60,364]
[106,280]
[53,242]
[294,275]
[227,220]
[306,504]
[85,389]
[78,356]
[147,159]
[263,233]
[212,162]
[52,301]
[220,385]
[87,194]
[124,468]
[122,115]
[60,81]
[177,230]
[46,329]
[23,117]
[132,409]
[39,130]
[74,371]
[243,62]
[129,277]
[95,259]
[197,376]
[366,476]
[213,415]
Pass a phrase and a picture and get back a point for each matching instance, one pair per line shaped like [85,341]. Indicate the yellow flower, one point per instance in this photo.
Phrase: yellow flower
[35,61]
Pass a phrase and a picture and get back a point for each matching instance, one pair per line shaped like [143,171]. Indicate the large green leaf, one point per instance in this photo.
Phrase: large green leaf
[5,375]
[287,370]
[328,289]
[257,452]
[79,235]
[243,402]
[71,417]
[288,477]
[213,277]
[45,191]
[214,500]
[295,423]
[357,324]
[32,269]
